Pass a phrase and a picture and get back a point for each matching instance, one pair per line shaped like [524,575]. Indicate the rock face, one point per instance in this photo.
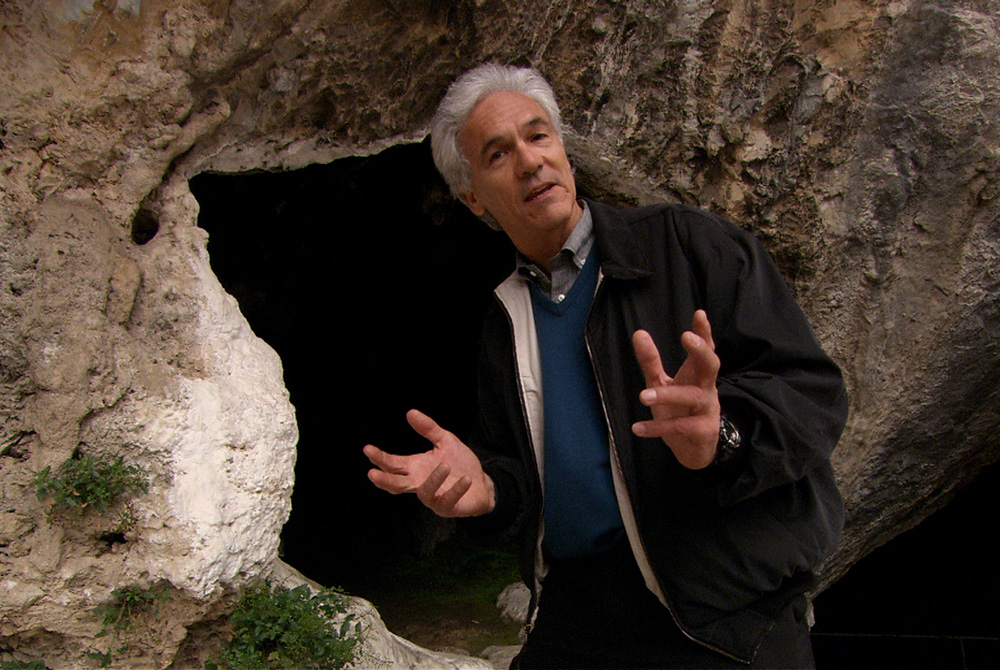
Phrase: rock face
[860,141]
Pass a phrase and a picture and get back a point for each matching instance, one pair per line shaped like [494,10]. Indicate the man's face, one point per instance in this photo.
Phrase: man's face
[520,173]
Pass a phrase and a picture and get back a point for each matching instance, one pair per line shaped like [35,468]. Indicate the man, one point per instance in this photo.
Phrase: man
[664,520]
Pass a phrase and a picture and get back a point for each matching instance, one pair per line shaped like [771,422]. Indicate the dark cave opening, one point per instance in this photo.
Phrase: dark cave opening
[926,599]
[370,281]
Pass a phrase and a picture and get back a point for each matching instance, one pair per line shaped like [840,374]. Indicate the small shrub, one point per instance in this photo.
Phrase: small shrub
[289,628]
[22,665]
[126,604]
[89,482]
[104,659]
[120,614]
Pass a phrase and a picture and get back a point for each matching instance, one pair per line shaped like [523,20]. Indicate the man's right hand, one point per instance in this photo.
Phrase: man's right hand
[448,479]
[685,407]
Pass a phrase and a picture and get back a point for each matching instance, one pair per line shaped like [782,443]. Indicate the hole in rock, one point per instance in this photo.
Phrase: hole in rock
[113,538]
[145,226]
[370,281]
[110,541]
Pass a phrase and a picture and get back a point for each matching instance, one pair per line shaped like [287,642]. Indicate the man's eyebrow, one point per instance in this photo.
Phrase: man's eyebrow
[536,122]
[490,143]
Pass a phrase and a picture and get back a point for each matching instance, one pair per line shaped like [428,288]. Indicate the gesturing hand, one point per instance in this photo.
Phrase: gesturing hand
[686,407]
[448,479]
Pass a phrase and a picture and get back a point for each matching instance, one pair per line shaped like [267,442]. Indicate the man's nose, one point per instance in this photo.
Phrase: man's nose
[529,159]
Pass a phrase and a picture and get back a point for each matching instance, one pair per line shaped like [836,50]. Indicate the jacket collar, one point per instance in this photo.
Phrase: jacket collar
[622,255]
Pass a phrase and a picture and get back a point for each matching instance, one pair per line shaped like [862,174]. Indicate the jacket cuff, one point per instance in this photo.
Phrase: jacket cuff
[506,507]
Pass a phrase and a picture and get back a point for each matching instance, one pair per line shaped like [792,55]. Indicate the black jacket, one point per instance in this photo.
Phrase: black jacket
[728,545]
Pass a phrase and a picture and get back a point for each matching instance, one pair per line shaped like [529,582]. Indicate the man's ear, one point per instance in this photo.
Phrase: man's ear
[473,203]
[479,209]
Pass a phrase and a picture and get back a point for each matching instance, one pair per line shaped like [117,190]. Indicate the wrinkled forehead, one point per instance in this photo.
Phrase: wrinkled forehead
[499,115]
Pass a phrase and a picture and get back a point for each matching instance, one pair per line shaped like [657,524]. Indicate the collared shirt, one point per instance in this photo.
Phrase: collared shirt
[564,266]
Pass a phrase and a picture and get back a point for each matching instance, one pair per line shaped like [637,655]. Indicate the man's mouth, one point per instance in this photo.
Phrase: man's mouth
[538,192]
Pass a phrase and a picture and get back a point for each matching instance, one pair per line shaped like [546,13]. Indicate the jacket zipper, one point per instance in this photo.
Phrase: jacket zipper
[537,584]
[614,452]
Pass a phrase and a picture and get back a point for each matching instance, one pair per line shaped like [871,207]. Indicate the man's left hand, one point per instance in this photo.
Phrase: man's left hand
[685,407]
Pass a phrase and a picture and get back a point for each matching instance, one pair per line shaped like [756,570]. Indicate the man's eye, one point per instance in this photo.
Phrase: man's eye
[496,155]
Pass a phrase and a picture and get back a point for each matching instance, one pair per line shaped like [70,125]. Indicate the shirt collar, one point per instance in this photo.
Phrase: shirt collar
[576,248]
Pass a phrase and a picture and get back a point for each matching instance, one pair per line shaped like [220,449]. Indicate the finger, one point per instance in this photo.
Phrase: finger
[702,328]
[649,359]
[385,461]
[394,484]
[449,499]
[690,398]
[702,356]
[651,428]
[688,428]
[427,491]
[425,426]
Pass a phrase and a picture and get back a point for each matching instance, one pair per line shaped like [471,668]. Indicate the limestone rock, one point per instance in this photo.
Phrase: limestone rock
[500,657]
[513,602]
[858,140]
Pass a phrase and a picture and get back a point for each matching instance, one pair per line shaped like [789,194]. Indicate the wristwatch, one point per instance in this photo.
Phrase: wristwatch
[729,441]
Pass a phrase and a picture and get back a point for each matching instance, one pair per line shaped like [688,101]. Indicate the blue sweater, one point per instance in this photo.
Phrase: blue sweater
[581,509]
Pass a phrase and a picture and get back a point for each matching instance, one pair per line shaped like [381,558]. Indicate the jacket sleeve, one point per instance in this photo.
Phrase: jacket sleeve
[496,437]
[776,384]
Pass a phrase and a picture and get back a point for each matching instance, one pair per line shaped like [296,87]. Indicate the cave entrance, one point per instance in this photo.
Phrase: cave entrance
[370,281]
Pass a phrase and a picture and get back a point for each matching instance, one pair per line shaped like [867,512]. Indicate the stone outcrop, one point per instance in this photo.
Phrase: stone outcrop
[859,140]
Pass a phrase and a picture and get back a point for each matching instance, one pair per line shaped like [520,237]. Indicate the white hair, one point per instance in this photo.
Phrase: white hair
[461,99]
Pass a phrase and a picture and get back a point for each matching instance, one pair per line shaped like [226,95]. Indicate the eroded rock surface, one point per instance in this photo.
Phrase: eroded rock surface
[860,141]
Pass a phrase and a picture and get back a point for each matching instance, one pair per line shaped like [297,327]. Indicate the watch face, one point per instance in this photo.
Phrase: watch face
[729,437]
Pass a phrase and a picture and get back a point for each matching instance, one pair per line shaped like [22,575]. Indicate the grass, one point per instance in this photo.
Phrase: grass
[448,600]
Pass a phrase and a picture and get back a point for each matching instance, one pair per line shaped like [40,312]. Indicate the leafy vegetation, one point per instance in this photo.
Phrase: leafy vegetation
[21,665]
[126,604]
[105,658]
[283,628]
[89,482]
[121,614]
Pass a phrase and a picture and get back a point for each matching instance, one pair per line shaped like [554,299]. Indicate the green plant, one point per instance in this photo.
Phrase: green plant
[120,614]
[126,604]
[89,482]
[103,659]
[289,628]
[22,665]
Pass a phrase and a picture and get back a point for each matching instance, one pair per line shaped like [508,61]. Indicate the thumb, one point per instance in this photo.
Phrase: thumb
[425,426]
